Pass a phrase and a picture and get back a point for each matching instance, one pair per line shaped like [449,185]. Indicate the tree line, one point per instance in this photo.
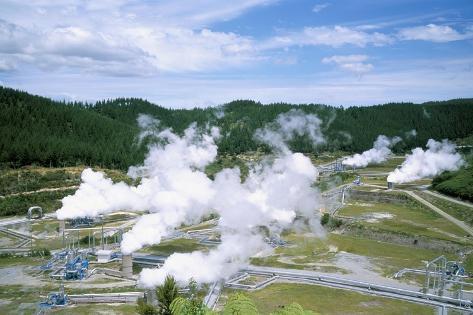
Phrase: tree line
[38,130]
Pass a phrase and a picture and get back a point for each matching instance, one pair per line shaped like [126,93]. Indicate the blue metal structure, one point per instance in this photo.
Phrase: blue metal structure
[84,221]
[357,181]
[55,299]
[76,268]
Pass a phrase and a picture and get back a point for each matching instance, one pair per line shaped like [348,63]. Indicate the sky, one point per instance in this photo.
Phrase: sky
[198,53]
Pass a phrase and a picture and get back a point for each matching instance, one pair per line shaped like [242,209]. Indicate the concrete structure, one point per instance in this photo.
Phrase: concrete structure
[390,185]
[127,266]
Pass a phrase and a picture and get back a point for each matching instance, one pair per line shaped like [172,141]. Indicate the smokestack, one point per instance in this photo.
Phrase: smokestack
[62,231]
[62,226]
[127,266]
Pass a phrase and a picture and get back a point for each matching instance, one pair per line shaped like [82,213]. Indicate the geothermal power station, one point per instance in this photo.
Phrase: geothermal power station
[113,242]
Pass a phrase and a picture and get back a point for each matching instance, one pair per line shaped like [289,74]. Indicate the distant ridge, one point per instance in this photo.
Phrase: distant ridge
[39,130]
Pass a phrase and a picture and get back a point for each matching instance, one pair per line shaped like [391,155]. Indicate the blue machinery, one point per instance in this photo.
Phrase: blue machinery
[55,299]
[357,181]
[84,221]
[71,265]
[76,268]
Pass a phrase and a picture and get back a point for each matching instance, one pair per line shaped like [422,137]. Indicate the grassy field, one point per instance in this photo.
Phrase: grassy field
[459,211]
[19,204]
[410,218]
[31,178]
[175,246]
[21,188]
[386,166]
[305,252]
[109,309]
[330,301]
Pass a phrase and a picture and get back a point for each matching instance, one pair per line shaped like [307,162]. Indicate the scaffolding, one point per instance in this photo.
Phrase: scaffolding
[442,275]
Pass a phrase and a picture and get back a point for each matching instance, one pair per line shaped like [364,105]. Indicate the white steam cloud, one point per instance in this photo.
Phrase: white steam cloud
[439,157]
[175,190]
[378,154]
[287,125]
[411,133]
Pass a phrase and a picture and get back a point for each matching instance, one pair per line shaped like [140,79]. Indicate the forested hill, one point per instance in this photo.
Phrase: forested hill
[38,130]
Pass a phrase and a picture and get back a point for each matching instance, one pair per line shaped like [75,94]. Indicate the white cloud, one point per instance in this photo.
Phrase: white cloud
[127,50]
[434,33]
[410,82]
[352,63]
[336,36]
[319,7]
[6,65]
[124,37]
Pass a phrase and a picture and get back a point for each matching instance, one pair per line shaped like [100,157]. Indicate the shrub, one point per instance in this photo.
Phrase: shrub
[325,218]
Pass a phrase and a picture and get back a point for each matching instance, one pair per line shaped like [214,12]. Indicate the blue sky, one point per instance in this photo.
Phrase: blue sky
[203,53]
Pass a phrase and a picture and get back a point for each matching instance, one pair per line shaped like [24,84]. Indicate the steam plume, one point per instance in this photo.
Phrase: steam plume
[175,190]
[439,157]
[287,125]
[378,154]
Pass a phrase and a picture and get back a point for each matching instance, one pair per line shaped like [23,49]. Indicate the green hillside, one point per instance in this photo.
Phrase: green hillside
[38,130]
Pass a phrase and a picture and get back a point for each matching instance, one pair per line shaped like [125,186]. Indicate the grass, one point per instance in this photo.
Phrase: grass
[19,204]
[25,300]
[20,299]
[35,178]
[330,301]
[48,226]
[229,161]
[175,246]
[30,179]
[20,260]
[468,263]
[459,211]
[410,218]
[386,166]
[201,226]
[109,309]
[386,257]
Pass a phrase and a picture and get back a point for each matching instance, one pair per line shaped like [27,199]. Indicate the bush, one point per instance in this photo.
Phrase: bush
[19,204]
[334,223]
[456,184]
[324,219]
[330,222]
[145,309]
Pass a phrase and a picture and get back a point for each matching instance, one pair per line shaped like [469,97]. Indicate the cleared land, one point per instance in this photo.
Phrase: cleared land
[410,218]
[330,301]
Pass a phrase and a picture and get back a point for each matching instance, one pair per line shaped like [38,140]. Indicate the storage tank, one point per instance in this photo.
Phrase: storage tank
[127,266]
